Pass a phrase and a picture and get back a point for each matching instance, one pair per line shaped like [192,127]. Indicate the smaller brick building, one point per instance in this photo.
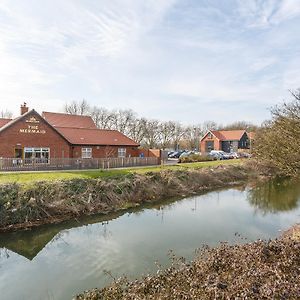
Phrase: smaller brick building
[57,135]
[225,140]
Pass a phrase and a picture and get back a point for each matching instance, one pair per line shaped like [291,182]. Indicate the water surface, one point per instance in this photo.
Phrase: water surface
[58,261]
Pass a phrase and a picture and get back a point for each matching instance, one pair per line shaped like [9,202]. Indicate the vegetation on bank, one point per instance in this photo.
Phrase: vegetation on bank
[41,202]
[277,143]
[259,270]
[195,158]
[29,177]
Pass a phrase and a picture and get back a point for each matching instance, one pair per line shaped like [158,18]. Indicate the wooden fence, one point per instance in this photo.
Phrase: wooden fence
[15,164]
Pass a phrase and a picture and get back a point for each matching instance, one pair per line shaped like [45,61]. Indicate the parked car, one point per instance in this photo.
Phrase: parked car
[186,153]
[233,155]
[176,154]
[218,154]
[244,155]
[170,153]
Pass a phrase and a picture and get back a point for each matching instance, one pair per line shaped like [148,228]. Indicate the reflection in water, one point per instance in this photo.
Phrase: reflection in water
[275,196]
[58,261]
[30,242]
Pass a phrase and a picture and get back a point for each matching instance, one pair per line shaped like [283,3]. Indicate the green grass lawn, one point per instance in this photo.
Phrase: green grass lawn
[27,177]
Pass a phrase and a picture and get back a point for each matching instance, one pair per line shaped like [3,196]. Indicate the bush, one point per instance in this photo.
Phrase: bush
[277,143]
[195,158]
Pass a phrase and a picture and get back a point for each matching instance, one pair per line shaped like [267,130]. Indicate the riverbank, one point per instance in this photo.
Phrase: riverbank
[258,270]
[43,202]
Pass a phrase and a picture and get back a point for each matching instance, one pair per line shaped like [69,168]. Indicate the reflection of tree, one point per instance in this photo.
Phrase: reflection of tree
[274,196]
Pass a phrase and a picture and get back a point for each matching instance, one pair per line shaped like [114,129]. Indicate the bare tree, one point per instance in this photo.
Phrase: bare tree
[77,108]
[6,114]
[151,137]
[209,125]
[166,130]
[239,125]
[124,120]
[102,117]
[137,130]
[192,136]
[179,132]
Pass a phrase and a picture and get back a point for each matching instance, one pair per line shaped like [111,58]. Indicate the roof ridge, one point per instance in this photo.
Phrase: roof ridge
[66,114]
[87,128]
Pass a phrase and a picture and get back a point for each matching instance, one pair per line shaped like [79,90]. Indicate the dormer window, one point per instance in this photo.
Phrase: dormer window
[209,136]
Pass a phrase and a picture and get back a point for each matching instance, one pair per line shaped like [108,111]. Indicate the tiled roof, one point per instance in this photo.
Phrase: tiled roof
[84,136]
[228,135]
[66,120]
[4,122]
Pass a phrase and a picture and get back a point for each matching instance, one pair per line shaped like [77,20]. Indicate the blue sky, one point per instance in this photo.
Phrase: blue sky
[188,61]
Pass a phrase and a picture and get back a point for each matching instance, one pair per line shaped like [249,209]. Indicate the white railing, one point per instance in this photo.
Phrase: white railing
[16,164]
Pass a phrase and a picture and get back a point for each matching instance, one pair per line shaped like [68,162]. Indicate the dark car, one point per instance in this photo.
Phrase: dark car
[170,153]
[176,154]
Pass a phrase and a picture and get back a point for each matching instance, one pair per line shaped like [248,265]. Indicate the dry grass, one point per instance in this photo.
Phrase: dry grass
[259,270]
[49,202]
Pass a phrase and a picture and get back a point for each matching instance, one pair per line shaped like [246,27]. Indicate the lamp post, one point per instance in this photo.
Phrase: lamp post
[196,145]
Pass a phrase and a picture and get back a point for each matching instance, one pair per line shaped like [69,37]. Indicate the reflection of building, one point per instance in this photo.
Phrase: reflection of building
[59,135]
[29,243]
[225,140]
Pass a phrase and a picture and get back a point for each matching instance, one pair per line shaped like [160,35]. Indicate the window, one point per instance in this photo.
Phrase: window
[39,155]
[86,152]
[121,152]
[209,136]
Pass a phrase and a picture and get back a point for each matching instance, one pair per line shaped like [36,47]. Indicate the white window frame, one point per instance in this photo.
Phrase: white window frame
[34,151]
[86,152]
[121,152]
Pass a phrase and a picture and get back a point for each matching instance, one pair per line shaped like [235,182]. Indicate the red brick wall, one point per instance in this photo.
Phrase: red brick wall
[217,143]
[32,134]
[104,151]
[150,152]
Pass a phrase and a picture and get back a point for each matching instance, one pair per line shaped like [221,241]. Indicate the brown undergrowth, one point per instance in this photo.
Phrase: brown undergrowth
[259,270]
[51,202]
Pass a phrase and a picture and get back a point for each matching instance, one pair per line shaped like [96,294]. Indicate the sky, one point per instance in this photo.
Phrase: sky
[183,60]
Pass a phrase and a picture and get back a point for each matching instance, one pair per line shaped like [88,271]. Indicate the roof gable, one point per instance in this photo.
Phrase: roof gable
[226,135]
[33,116]
[229,135]
[68,120]
[208,132]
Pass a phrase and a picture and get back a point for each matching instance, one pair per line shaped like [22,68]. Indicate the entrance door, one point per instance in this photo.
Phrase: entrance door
[18,156]
[19,153]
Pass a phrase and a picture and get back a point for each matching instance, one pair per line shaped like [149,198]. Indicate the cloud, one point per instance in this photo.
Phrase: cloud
[150,56]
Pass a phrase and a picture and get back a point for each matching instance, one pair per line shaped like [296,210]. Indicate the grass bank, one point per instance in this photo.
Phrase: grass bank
[29,177]
[31,203]
[259,270]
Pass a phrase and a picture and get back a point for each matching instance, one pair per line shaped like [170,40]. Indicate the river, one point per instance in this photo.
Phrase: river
[58,261]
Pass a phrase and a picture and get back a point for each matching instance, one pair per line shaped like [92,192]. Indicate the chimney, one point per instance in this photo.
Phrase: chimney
[24,108]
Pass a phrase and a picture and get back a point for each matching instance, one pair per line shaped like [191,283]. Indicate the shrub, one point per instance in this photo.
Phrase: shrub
[195,158]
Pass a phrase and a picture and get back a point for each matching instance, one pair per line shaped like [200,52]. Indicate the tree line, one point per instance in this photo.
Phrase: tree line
[151,133]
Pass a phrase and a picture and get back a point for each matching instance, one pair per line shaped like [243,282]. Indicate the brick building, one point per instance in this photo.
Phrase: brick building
[57,135]
[225,140]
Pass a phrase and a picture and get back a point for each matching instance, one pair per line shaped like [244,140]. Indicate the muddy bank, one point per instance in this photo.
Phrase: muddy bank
[258,270]
[25,206]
